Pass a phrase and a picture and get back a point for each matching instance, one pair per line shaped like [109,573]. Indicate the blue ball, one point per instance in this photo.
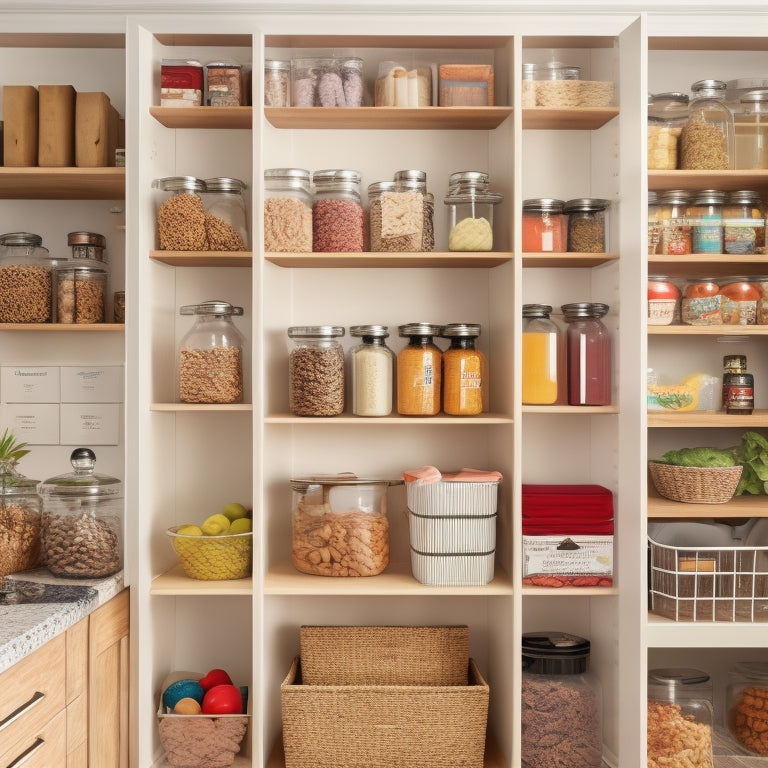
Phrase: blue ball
[182,689]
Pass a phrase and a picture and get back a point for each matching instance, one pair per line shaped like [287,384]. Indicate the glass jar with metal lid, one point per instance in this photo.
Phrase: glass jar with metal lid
[746,704]
[654,223]
[377,243]
[26,270]
[528,92]
[465,371]
[82,520]
[226,214]
[419,371]
[80,284]
[543,361]
[411,183]
[287,210]
[210,360]
[587,224]
[743,223]
[337,213]
[372,371]
[558,85]
[180,213]
[277,83]
[707,138]
[751,131]
[316,379]
[224,84]
[675,236]
[470,209]
[667,114]
[705,217]
[545,228]
[589,354]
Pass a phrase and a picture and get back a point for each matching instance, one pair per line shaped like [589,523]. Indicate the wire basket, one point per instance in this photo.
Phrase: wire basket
[695,485]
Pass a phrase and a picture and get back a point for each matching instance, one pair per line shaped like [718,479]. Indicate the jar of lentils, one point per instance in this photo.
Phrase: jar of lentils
[180,213]
[26,270]
[80,283]
[316,385]
[287,210]
[587,224]
[337,214]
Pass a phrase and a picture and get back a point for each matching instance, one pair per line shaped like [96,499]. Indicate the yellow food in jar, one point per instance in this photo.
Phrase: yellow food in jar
[471,235]
[465,375]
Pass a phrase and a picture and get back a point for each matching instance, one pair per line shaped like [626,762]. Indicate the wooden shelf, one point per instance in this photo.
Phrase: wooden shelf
[694,180]
[176,582]
[199,407]
[204,117]
[666,633]
[479,260]
[715,265]
[737,507]
[62,183]
[64,327]
[348,419]
[203,258]
[719,419]
[708,330]
[567,260]
[577,119]
[601,410]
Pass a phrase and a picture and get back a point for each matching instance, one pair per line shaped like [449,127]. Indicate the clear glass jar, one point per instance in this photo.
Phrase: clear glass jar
[316,385]
[277,83]
[751,124]
[561,715]
[339,525]
[558,85]
[589,354]
[465,371]
[543,362]
[545,228]
[210,361]
[654,223]
[746,705]
[224,84]
[680,717]
[180,213]
[667,114]
[419,371]
[705,216]
[470,209]
[287,210]
[587,224]
[372,371]
[26,270]
[743,223]
[337,214]
[663,300]
[410,183]
[707,138]
[377,243]
[528,86]
[80,284]
[82,520]
[327,82]
[226,223]
[702,302]
[675,230]
[20,520]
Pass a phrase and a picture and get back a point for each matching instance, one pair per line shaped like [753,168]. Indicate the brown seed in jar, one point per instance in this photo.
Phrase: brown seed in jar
[81,545]
[20,538]
[25,294]
[316,381]
[586,235]
[211,375]
[703,147]
[337,226]
[181,224]
[222,236]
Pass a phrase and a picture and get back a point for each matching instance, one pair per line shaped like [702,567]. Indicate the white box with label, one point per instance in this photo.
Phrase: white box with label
[33,423]
[29,384]
[89,424]
[92,384]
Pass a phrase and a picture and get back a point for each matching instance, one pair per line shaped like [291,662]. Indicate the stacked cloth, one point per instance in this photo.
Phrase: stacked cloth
[567,509]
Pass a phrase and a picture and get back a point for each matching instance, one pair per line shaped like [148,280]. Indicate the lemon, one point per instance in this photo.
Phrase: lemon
[234,511]
[189,530]
[241,525]
[215,525]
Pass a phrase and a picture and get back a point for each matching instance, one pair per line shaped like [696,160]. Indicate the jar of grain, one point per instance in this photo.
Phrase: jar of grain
[705,216]
[556,680]
[20,520]
[746,704]
[376,242]
[316,385]
[528,86]
[707,138]
[680,703]
[287,210]
[465,371]
[419,371]
[667,114]
[743,223]
[180,213]
[277,83]
[545,227]
[372,371]
[751,124]
[337,213]
[226,217]
[80,284]
[411,183]
[654,223]
[82,520]
[587,224]
[210,361]
[470,209]
[675,229]
[26,270]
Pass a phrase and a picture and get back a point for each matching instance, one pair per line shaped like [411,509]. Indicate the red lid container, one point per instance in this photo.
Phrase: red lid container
[567,509]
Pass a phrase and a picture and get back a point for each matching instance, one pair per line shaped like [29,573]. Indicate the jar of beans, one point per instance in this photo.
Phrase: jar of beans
[587,224]
[419,371]
[26,270]
[747,705]
[180,214]
[470,209]
[316,385]
[287,210]
[210,361]
[337,214]
[707,139]
[80,283]
[225,214]
[465,371]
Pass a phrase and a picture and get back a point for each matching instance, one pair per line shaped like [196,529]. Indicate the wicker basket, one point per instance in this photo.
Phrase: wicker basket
[695,485]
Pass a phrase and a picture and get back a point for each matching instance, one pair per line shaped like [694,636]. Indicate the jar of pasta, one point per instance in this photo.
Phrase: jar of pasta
[287,210]
[372,371]
[316,384]
[419,371]
[675,236]
[747,705]
[545,227]
[705,216]
[587,224]
[226,215]
[26,270]
[180,213]
[707,138]
[465,371]
[667,114]
[470,210]
[337,213]
[743,223]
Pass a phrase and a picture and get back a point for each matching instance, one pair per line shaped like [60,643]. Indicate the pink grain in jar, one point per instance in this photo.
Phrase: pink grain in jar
[337,214]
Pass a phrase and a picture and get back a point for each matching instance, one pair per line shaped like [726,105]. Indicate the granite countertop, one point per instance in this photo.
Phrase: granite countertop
[46,606]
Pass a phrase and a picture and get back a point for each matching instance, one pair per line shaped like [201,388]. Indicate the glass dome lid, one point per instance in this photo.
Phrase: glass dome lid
[82,481]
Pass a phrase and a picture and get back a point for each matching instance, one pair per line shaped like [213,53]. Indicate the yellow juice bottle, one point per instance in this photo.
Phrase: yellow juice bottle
[542,361]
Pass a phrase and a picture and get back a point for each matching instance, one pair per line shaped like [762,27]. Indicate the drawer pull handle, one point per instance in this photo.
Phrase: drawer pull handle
[17,713]
[27,753]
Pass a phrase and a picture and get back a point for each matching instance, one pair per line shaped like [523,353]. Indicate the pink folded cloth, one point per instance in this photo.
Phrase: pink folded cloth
[429,474]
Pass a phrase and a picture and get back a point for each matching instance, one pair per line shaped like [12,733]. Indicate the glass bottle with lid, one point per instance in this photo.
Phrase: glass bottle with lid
[667,114]
[751,123]
[743,223]
[465,371]
[337,214]
[287,210]
[587,224]
[545,228]
[210,361]
[589,354]
[80,284]
[372,371]
[277,83]
[419,371]
[316,383]
[675,237]
[470,209]
[543,362]
[226,220]
[746,704]
[26,272]
[707,138]
[180,213]
[82,520]
[705,216]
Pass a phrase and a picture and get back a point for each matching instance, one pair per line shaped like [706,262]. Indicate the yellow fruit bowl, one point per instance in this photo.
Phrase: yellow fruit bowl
[214,558]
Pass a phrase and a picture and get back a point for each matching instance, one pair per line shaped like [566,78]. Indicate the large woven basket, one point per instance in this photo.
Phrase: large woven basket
[695,485]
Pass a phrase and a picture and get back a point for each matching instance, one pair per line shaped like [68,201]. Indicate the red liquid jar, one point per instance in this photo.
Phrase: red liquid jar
[589,354]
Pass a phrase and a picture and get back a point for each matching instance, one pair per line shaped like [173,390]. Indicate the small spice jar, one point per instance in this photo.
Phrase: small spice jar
[80,283]
[465,371]
[277,83]
[675,229]
[26,270]
[587,224]
[751,124]
[337,213]
[747,704]
[738,386]
[556,680]
[667,114]
[225,84]
[180,213]
[82,520]
[20,519]
[743,223]
[707,138]
[545,228]
[543,362]
[705,216]
[589,354]
[470,210]
[226,214]
[210,361]
[419,371]
[181,83]
[372,371]
[287,210]
[316,385]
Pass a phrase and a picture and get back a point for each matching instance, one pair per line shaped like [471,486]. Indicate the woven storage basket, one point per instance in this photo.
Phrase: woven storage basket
[384,655]
[695,485]
[381,726]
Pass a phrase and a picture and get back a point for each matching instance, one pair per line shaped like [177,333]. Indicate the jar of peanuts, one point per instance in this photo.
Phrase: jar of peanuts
[316,385]
[210,360]
[26,270]
[80,283]
[465,371]
[225,210]
[747,705]
[337,214]
[180,214]
[287,210]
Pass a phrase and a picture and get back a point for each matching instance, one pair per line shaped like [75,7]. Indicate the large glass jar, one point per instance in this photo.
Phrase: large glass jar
[589,354]
[82,520]
[316,385]
[543,363]
[470,209]
[337,213]
[751,122]
[410,183]
[180,214]
[705,216]
[667,114]
[680,717]
[419,371]
[327,82]
[211,355]
[80,284]
[545,228]
[225,214]
[376,206]
[287,210]
[743,223]
[675,236]
[587,224]
[561,715]
[372,371]
[707,138]
[465,371]
[20,520]
[747,705]
[26,270]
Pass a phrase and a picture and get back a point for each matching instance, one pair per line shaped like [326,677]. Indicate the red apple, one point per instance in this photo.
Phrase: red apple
[223,700]
[215,677]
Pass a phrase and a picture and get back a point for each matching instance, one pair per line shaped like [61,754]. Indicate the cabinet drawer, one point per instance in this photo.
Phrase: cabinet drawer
[45,748]
[32,694]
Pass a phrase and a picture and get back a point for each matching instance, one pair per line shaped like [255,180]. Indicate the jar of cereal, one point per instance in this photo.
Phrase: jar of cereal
[180,213]
[316,385]
[337,214]
[707,138]
[287,210]
[226,214]
[25,279]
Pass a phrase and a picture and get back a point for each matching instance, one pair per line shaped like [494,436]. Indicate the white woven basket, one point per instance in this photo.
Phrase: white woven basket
[446,498]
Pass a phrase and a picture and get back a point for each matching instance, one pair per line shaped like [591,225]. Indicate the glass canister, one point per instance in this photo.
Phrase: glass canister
[561,699]
[675,236]
[545,228]
[180,214]
[751,123]
[277,83]
[224,84]
[705,216]
[528,86]
[287,210]
[702,302]
[558,85]
[663,300]
[80,284]
[337,213]
[377,243]
[747,705]
[743,223]
[667,114]
[26,270]
[654,223]
[465,371]
[543,364]
[589,354]
[327,82]
[470,210]
[372,371]
[587,224]
[339,525]
[680,718]
[226,215]
[316,385]
[419,371]
[707,138]
[82,520]
[411,183]
[211,355]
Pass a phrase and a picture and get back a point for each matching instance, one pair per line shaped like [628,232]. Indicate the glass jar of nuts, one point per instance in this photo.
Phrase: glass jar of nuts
[26,270]
[180,214]
[587,224]
[225,210]
[80,283]
[316,385]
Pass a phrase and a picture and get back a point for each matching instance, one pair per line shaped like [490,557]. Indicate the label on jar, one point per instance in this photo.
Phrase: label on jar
[738,393]
[740,235]
[675,237]
[567,555]
[704,310]
[707,238]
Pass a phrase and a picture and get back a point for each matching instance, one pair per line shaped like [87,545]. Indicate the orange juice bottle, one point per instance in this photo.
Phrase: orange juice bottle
[543,370]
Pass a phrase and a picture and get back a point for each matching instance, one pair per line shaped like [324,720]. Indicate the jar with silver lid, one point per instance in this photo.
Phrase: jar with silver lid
[558,85]
[226,214]
[180,213]
[545,228]
[277,83]
[337,213]
[26,272]
[224,84]
[705,217]
[587,224]
[744,223]
[419,371]
[80,284]
[413,182]
[465,371]
[372,371]
[470,209]
[377,243]
[751,131]
[528,86]
[707,138]
[316,383]
[287,210]
[667,114]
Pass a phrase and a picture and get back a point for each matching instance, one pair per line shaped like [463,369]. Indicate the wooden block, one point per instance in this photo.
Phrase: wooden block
[20,116]
[56,145]
[92,130]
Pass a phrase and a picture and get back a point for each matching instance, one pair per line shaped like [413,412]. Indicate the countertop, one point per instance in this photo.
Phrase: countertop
[48,605]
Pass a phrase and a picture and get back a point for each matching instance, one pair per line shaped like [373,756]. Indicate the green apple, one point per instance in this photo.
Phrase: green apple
[234,511]
[241,525]
[215,525]
[189,530]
